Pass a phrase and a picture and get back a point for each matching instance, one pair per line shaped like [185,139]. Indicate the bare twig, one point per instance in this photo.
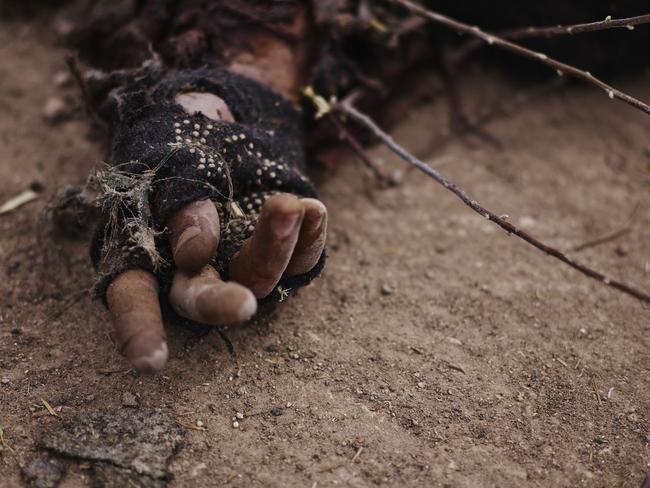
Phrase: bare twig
[356,146]
[602,240]
[190,426]
[495,40]
[77,72]
[472,45]
[69,303]
[356,456]
[49,408]
[346,107]
[608,237]
[114,371]
[409,25]
[4,442]
[18,201]
[562,30]
[596,392]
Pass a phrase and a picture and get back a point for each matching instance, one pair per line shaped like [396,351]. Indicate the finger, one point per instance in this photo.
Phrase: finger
[194,234]
[208,104]
[132,299]
[260,262]
[311,240]
[205,298]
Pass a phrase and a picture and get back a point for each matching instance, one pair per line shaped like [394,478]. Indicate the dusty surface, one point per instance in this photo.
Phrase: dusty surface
[482,362]
[134,445]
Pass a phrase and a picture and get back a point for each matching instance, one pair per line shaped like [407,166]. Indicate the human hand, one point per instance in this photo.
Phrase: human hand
[272,232]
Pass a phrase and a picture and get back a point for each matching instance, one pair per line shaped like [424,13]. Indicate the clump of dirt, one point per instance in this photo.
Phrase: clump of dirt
[44,472]
[125,446]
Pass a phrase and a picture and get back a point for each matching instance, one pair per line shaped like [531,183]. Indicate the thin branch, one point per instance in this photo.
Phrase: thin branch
[563,30]
[495,40]
[356,146]
[346,107]
[69,303]
[611,236]
[602,240]
[77,72]
[551,31]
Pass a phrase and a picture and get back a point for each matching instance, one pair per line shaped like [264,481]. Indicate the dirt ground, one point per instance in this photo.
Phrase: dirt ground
[434,351]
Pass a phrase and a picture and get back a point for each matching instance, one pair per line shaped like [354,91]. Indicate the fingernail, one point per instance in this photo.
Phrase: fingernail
[315,223]
[228,303]
[248,307]
[186,236]
[283,226]
[315,214]
[152,362]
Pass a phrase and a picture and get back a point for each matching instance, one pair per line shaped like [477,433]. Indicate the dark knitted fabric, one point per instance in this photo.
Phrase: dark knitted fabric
[163,158]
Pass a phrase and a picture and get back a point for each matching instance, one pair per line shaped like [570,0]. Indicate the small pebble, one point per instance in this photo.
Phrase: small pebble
[235,425]
[129,400]
[5,380]
[239,415]
[621,251]
[386,290]
[277,411]
[199,423]
[55,109]
[62,78]
[36,186]
[421,384]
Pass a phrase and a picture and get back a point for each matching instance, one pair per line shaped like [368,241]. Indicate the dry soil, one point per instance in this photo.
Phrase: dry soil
[434,351]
